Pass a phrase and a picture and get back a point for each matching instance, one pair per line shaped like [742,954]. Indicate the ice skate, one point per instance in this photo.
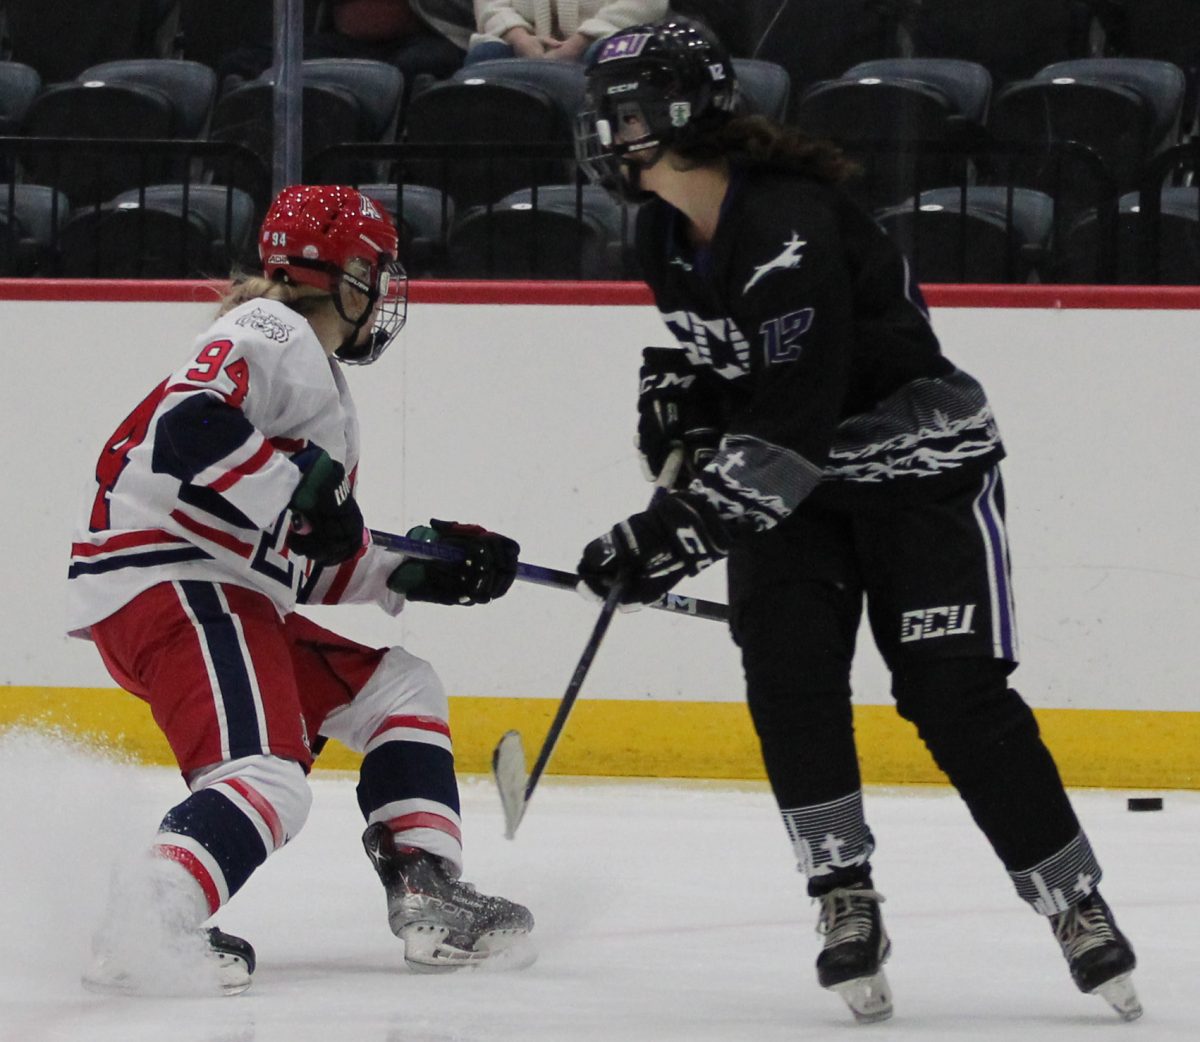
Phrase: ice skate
[207,962]
[445,924]
[856,947]
[1100,958]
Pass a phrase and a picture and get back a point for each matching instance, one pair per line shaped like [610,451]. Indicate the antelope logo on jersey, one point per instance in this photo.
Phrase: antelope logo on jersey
[927,623]
[789,258]
[267,324]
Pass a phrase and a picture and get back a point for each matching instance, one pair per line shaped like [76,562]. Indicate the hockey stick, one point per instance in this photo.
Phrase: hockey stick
[532,573]
[508,758]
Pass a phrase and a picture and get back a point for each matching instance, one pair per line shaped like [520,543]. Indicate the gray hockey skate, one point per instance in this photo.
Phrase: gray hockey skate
[205,963]
[445,924]
[1100,958]
[855,949]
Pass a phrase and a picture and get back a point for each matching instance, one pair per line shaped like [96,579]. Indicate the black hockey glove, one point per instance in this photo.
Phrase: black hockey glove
[486,571]
[680,534]
[327,526]
[673,410]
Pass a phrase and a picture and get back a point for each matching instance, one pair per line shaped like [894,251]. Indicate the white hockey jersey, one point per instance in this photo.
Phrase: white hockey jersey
[195,482]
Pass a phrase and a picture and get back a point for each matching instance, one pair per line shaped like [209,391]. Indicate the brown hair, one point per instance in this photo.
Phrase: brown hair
[246,286]
[760,141]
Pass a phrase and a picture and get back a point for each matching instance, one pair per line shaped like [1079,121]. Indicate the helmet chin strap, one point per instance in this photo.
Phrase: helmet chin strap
[631,180]
[349,347]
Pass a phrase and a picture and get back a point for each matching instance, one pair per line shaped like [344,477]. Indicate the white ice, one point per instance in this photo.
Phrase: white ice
[666,911]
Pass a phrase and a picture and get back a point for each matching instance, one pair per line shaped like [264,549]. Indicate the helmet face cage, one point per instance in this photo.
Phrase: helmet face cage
[327,236]
[649,88]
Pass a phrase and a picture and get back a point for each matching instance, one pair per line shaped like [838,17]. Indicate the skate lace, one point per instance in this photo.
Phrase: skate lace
[847,914]
[1080,930]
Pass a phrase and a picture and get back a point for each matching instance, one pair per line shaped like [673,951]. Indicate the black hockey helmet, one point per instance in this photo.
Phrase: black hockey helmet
[649,88]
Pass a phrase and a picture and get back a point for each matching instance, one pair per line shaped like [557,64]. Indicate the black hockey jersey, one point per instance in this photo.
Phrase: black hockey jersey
[811,337]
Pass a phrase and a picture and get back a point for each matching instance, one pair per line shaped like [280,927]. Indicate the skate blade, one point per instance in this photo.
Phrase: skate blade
[1119,993]
[426,950]
[102,980]
[869,998]
[506,950]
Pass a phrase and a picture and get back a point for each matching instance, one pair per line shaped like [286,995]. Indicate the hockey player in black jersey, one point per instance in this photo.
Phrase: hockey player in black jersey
[837,457]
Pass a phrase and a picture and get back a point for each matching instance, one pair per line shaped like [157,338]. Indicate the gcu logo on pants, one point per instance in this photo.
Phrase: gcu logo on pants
[927,623]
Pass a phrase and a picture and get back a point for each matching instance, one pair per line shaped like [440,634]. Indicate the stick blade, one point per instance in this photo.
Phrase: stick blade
[508,767]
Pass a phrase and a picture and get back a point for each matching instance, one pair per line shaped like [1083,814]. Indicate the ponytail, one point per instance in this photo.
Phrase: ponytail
[761,142]
[244,287]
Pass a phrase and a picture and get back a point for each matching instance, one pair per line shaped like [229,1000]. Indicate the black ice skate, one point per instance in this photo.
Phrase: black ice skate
[225,967]
[1100,958]
[856,947]
[444,923]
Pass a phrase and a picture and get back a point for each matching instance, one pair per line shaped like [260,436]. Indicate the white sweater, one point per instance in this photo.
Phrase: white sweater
[561,18]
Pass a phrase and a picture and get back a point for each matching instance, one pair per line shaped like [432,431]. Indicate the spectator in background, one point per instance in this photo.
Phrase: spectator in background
[561,30]
[420,37]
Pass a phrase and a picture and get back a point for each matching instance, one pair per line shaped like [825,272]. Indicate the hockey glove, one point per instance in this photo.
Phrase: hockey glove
[486,571]
[680,534]
[327,526]
[673,410]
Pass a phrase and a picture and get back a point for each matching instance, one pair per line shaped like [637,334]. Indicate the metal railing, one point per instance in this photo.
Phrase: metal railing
[963,212]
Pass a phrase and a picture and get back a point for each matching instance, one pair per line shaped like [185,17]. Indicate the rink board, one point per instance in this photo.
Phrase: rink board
[1102,505]
[1128,749]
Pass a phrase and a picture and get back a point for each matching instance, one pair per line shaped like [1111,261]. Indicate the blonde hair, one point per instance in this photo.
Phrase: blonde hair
[245,286]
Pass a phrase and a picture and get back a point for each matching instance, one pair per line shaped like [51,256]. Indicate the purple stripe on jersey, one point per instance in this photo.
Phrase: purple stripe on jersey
[994,528]
[230,667]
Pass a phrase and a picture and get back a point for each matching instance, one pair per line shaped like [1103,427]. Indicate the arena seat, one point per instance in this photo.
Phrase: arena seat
[19,85]
[167,231]
[31,218]
[423,216]
[1011,40]
[507,116]
[97,110]
[563,82]
[981,234]
[1167,255]
[191,86]
[246,115]
[1124,110]
[897,128]
[549,232]
[815,40]
[766,87]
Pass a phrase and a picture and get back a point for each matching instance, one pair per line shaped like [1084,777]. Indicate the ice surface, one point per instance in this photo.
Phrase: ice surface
[666,911]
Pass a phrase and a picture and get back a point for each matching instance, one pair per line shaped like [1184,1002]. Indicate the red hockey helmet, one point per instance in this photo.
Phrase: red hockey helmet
[324,235]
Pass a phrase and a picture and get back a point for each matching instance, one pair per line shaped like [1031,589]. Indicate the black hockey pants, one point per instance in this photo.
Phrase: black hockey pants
[935,580]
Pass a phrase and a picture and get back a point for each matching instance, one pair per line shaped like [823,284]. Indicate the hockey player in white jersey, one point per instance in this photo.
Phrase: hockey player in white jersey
[224,499]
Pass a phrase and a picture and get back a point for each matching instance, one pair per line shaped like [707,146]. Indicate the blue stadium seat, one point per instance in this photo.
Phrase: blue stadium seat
[423,216]
[505,117]
[165,231]
[31,219]
[551,232]
[982,234]
[1122,111]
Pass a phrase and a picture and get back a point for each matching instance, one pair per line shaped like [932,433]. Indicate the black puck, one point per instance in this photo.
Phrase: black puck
[1144,803]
